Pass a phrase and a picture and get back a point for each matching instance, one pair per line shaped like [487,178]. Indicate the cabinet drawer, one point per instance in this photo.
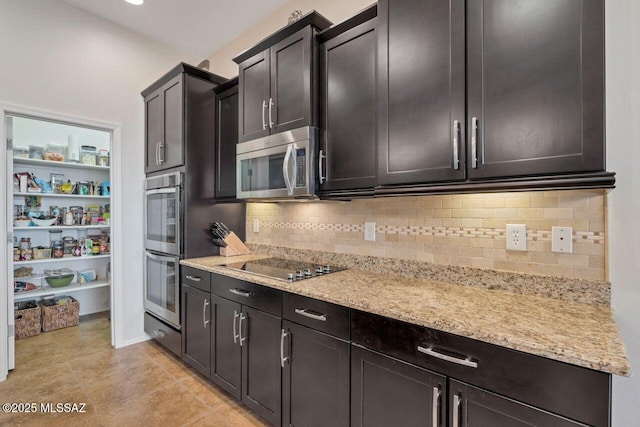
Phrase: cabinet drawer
[196,278]
[575,392]
[247,293]
[165,335]
[320,315]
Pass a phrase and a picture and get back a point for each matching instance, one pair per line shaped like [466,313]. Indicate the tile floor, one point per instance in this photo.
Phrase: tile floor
[137,385]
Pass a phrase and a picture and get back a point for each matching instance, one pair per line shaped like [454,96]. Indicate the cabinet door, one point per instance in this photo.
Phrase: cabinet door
[196,325]
[172,147]
[226,353]
[291,80]
[472,406]
[261,371]
[422,91]
[154,130]
[226,141]
[253,97]
[315,380]
[349,113]
[388,392]
[535,87]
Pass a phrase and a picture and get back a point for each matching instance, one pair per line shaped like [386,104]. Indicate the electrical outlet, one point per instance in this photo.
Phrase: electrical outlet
[562,239]
[516,237]
[370,231]
[256,225]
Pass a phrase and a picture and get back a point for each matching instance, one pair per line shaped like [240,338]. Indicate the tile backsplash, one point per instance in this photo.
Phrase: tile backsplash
[465,230]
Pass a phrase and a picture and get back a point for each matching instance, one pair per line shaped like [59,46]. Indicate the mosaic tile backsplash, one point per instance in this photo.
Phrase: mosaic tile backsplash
[464,230]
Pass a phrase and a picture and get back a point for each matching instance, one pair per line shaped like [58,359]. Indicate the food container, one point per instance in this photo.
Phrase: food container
[26,255]
[27,315]
[88,155]
[58,249]
[78,214]
[54,152]
[69,243]
[60,281]
[73,149]
[82,187]
[58,313]
[16,254]
[20,152]
[41,252]
[21,222]
[36,152]
[25,243]
[103,158]
[44,221]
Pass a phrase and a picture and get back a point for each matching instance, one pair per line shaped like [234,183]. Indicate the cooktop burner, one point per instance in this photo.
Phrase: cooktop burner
[284,269]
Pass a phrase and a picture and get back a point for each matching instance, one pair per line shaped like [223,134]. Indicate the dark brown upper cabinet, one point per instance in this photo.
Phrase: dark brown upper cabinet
[278,80]
[179,116]
[348,110]
[226,139]
[421,98]
[535,86]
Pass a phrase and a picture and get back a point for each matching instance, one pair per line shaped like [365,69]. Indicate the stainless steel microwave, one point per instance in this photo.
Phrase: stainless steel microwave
[279,166]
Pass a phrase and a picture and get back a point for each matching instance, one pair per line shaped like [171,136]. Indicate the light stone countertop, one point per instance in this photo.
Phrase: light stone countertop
[577,333]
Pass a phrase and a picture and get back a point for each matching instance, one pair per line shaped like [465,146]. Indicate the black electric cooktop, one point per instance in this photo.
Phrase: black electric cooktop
[284,269]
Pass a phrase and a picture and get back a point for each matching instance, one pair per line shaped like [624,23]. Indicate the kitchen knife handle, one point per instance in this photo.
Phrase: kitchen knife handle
[204,314]
[283,359]
[464,362]
[264,122]
[240,292]
[304,312]
[435,410]
[456,410]
[456,143]
[321,156]
[474,142]
[271,104]
[236,335]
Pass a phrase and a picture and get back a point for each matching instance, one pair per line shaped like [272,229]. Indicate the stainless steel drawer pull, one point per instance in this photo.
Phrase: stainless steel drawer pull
[283,359]
[264,107]
[431,352]
[236,335]
[456,411]
[204,314]
[194,278]
[242,339]
[474,142]
[241,293]
[456,143]
[436,407]
[160,152]
[159,333]
[271,104]
[306,313]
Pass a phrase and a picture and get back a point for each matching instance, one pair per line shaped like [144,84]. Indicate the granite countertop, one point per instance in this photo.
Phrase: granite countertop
[577,333]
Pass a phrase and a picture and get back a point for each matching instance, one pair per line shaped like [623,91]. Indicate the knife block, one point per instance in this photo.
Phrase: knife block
[234,246]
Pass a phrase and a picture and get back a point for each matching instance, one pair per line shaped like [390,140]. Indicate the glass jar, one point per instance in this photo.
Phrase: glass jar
[103,158]
[54,236]
[54,152]
[36,152]
[69,243]
[25,243]
[88,155]
[58,249]
[20,152]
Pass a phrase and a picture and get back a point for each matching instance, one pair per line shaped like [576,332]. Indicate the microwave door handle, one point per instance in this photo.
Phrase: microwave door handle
[285,168]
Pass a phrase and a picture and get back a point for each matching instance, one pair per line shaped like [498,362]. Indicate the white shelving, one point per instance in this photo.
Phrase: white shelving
[63,259]
[62,227]
[63,196]
[50,163]
[48,290]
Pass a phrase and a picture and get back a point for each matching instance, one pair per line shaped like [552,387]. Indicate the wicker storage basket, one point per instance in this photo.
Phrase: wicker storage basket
[60,316]
[27,320]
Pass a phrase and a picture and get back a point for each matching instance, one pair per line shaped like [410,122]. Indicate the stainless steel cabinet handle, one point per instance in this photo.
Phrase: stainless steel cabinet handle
[304,312]
[474,142]
[456,411]
[242,339]
[431,352]
[160,152]
[194,278]
[204,314]
[159,333]
[241,293]
[236,335]
[264,107]
[283,359]
[157,153]
[271,104]
[321,156]
[456,143]
[436,407]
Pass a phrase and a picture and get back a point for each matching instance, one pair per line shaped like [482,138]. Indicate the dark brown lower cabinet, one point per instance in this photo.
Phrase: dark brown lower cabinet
[226,354]
[196,329]
[388,392]
[472,406]
[315,378]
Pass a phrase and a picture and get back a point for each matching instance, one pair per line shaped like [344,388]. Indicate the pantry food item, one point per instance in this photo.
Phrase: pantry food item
[54,153]
[22,272]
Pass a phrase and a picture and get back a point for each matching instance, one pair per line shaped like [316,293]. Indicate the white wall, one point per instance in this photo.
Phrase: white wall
[58,58]
[623,157]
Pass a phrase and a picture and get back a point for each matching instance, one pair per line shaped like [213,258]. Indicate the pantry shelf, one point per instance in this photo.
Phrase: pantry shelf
[66,165]
[48,290]
[63,259]
[63,196]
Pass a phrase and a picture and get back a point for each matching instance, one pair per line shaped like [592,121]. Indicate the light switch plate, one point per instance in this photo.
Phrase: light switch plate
[256,225]
[516,237]
[562,239]
[370,231]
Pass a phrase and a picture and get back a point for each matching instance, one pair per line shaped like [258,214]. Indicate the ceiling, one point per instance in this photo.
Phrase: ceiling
[197,27]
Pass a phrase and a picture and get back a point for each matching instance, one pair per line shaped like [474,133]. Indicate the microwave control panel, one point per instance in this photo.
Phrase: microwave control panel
[301,172]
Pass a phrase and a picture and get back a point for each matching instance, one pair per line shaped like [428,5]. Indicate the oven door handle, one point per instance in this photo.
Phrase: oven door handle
[286,171]
[162,258]
[162,190]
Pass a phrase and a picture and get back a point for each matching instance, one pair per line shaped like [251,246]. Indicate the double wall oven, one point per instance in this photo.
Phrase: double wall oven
[163,249]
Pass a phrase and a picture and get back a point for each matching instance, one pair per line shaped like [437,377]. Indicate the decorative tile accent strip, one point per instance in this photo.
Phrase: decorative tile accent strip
[583,291]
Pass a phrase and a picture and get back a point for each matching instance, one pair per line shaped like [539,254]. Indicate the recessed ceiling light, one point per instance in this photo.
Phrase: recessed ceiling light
[136,2]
